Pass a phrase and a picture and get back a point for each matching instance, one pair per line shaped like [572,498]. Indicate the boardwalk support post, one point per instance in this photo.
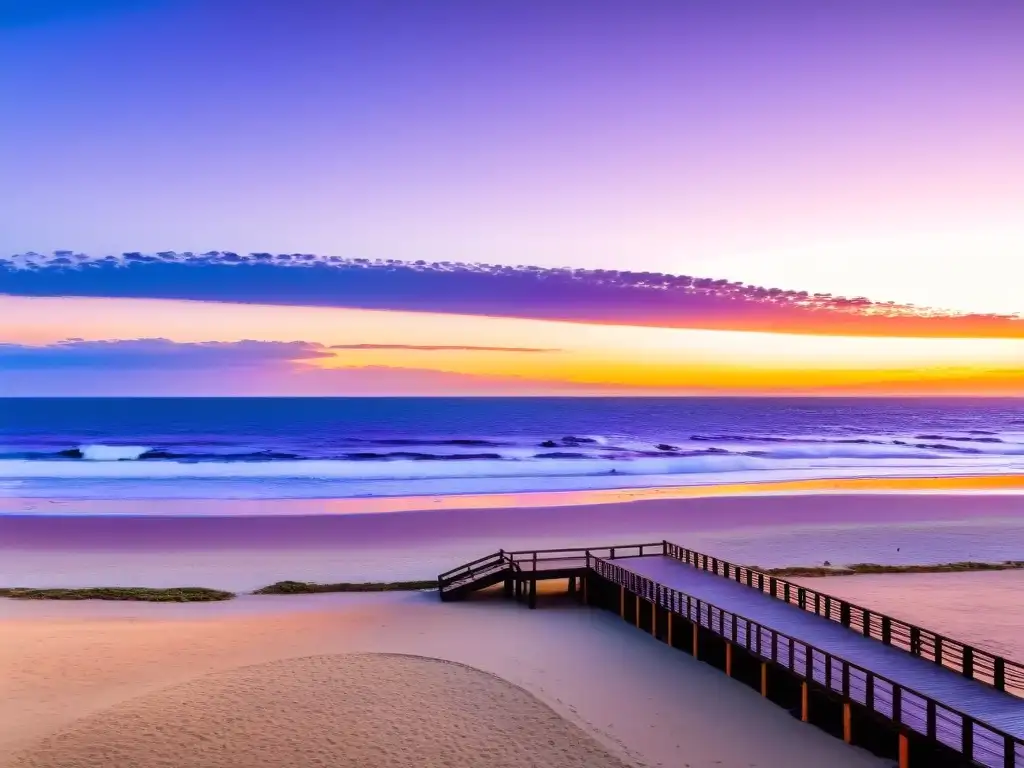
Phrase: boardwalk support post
[728,659]
[533,593]
[904,751]
[654,619]
[804,709]
[508,587]
[670,617]
[622,602]
[764,678]
[696,644]
[847,723]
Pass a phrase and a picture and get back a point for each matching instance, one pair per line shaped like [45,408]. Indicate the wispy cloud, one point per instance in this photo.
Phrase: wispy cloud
[161,354]
[160,367]
[594,296]
[441,348]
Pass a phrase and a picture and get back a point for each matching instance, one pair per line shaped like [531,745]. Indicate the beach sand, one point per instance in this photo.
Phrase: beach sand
[343,710]
[273,676]
[270,681]
[231,550]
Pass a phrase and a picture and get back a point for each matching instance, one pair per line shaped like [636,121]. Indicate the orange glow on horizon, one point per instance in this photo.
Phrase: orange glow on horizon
[588,358]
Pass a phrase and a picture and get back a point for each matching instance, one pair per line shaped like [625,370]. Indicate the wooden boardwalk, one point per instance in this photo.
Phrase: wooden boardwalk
[932,689]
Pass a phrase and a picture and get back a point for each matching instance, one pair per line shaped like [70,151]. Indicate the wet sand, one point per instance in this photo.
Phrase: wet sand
[244,553]
[269,681]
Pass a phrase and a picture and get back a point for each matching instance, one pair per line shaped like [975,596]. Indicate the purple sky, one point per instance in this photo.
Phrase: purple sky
[742,140]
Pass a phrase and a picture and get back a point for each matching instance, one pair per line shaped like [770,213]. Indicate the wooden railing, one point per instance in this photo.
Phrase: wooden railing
[539,560]
[977,741]
[472,571]
[967,660]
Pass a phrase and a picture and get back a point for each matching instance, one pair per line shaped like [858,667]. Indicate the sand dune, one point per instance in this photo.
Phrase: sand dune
[264,681]
[343,711]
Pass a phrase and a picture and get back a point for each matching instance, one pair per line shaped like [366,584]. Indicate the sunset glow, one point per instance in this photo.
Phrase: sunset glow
[543,356]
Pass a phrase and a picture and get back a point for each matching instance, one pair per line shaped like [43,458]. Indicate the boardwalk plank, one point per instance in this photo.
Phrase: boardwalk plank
[948,688]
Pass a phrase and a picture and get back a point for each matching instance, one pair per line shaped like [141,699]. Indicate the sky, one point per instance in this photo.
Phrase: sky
[868,150]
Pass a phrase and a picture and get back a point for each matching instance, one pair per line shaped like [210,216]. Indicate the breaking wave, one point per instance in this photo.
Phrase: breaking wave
[353,466]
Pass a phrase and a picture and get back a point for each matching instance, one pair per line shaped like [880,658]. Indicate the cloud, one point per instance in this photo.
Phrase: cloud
[160,367]
[441,348]
[162,354]
[591,296]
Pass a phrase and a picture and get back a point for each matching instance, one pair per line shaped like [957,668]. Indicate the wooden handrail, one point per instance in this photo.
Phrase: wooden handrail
[645,545]
[996,747]
[465,566]
[970,661]
[501,558]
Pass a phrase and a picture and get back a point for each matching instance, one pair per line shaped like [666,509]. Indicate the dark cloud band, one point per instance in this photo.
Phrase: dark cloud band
[592,296]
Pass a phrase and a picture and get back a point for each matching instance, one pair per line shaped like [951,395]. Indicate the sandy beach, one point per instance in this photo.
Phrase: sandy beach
[313,679]
[229,549]
[143,685]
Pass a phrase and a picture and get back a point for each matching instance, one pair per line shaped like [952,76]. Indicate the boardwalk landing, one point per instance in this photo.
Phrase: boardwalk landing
[979,702]
[897,689]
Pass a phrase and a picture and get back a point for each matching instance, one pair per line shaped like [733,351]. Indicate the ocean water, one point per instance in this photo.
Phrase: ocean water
[360,447]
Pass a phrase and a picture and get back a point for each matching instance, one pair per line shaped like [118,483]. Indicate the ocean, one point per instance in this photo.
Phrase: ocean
[278,448]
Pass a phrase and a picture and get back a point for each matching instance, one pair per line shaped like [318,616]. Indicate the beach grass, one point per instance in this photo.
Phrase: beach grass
[858,569]
[308,588]
[143,594]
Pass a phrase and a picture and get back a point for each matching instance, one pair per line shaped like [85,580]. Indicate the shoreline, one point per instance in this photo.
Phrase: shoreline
[243,553]
[980,484]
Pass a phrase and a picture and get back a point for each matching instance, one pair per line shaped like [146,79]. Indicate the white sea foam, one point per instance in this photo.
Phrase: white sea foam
[375,470]
[399,470]
[101,452]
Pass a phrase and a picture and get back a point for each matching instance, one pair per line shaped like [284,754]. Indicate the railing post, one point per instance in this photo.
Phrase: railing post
[869,690]
[865,621]
[886,630]
[1009,752]
[844,613]
[664,547]
[915,642]
[999,673]
[930,721]
[967,738]
[897,704]
[801,597]
[968,661]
